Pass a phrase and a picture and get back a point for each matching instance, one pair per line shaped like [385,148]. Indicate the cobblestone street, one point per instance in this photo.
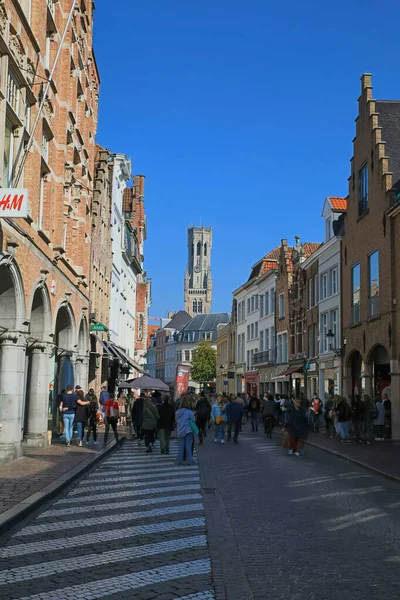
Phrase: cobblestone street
[248,523]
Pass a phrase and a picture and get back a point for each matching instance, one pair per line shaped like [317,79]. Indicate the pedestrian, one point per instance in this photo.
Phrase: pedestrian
[68,406]
[184,416]
[254,409]
[150,422]
[203,412]
[165,424]
[218,413]
[58,403]
[122,409]
[297,427]
[111,411]
[356,416]
[379,420]
[286,405]
[329,416]
[137,417]
[387,405]
[277,401]
[81,414]
[343,412]
[268,411]
[369,409]
[93,409]
[104,395]
[234,412]
[316,411]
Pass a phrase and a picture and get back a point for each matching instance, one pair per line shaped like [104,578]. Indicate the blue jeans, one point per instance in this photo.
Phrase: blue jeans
[81,430]
[254,421]
[220,432]
[68,425]
[344,429]
[185,442]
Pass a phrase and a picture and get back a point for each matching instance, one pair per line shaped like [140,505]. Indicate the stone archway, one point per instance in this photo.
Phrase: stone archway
[38,372]
[64,368]
[355,374]
[82,359]
[379,366]
[12,358]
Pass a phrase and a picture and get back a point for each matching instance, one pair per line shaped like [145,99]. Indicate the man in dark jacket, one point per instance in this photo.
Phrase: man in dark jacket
[234,411]
[254,410]
[165,424]
[137,417]
[297,427]
[203,412]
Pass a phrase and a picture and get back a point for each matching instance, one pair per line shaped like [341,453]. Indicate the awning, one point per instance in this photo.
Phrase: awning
[291,370]
[280,373]
[120,354]
[102,344]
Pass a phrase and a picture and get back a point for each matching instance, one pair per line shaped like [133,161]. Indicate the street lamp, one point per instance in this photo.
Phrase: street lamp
[337,351]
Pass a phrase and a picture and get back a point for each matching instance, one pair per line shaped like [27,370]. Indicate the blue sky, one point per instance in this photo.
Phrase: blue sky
[240,114]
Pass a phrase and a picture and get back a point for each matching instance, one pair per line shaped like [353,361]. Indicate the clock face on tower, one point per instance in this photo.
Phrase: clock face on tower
[197,269]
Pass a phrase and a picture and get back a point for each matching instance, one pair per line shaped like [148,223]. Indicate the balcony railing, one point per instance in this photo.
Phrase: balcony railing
[267,356]
[355,313]
[373,306]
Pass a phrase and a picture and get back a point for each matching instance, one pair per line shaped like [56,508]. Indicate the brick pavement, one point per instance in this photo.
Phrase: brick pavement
[29,474]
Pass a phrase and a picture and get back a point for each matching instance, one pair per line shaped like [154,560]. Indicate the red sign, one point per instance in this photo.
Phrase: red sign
[182,380]
[13,203]
[252,377]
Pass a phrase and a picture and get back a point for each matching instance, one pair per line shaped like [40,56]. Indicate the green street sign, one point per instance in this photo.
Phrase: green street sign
[98,327]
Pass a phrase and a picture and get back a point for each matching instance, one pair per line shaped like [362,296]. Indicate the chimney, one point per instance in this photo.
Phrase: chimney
[297,238]
[284,242]
[170,314]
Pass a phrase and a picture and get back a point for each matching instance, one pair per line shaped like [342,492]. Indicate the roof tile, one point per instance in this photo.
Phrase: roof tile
[338,203]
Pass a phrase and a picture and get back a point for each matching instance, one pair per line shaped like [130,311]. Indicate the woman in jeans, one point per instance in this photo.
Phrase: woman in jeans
[81,415]
[219,417]
[183,416]
[92,410]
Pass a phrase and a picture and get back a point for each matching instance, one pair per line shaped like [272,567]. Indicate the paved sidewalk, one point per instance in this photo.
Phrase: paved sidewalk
[382,457]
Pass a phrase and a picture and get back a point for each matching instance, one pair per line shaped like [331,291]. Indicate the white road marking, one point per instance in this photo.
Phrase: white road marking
[129,493]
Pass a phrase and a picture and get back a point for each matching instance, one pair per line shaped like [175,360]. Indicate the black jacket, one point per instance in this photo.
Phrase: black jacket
[137,412]
[167,416]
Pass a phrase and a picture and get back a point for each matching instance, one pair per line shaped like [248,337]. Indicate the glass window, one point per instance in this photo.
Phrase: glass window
[267,309]
[373,267]
[262,305]
[187,355]
[310,342]
[355,293]
[252,331]
[267,339]
[194,306]
[8,154]
[315,298]
[363,189]
[248,332]
[285,348]
[200,306]
[324,286]
[12,92]
[324,331]
[248,360]
[272,302]
[256,330]
[261,341]
[248,305]
[334,281]
[281,305]
[252,303]
[333,341]
[310,293]
[328,229]
[256,302]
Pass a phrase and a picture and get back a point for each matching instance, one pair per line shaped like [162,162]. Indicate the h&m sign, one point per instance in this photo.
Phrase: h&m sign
[13,202]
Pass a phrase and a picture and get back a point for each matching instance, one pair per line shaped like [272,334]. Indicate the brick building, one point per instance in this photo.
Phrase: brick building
[45,258]
[370,254]
[100,269]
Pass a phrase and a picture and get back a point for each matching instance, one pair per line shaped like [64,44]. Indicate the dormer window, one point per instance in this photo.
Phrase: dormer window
[328,229]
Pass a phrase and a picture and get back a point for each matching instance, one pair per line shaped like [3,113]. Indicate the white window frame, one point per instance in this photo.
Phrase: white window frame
[262,305]
[252,331]
[310,293]
[334,281]
[248,332]
[281,308]
[256,330]
[13,92]
[333,327]
[267,311]
[323,332]
[323,294]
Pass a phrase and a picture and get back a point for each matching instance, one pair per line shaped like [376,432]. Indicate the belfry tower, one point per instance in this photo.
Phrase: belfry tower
[198,282]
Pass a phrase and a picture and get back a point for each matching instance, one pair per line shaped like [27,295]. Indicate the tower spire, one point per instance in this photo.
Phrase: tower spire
[198,282]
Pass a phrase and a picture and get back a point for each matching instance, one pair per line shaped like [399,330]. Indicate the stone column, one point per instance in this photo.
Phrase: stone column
[395,399]
[82,372]
[12,380]
[37,396]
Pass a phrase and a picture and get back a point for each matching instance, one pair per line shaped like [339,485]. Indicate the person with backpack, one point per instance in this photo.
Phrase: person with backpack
[165,424]
[316,411]
[150,422]
[184,417]
[111,412]
[254,410]
[203,412]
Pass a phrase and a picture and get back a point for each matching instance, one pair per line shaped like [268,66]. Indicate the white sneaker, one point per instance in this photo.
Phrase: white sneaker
[290,452]
[222,442]
[297,453]
[80,443]
[378,439]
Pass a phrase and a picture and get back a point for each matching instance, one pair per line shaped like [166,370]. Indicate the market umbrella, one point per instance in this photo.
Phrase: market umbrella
[144,383]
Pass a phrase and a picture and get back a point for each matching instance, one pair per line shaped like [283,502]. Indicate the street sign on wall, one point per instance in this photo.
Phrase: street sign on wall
[13,202]
[97,327]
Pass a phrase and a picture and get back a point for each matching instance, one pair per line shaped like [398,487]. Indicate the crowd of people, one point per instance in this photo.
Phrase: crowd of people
[150,416]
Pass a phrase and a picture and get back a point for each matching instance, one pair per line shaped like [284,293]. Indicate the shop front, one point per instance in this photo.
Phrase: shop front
[312,385]
[252,383]
[281,381]
[329,378]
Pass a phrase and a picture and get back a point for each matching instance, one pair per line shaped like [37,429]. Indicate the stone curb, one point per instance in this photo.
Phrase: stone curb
[352,460]
[13,515]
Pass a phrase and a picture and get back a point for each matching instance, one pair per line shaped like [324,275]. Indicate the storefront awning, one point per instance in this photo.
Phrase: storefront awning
[280,373]
[102,344]
[121,355]
[291,370]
